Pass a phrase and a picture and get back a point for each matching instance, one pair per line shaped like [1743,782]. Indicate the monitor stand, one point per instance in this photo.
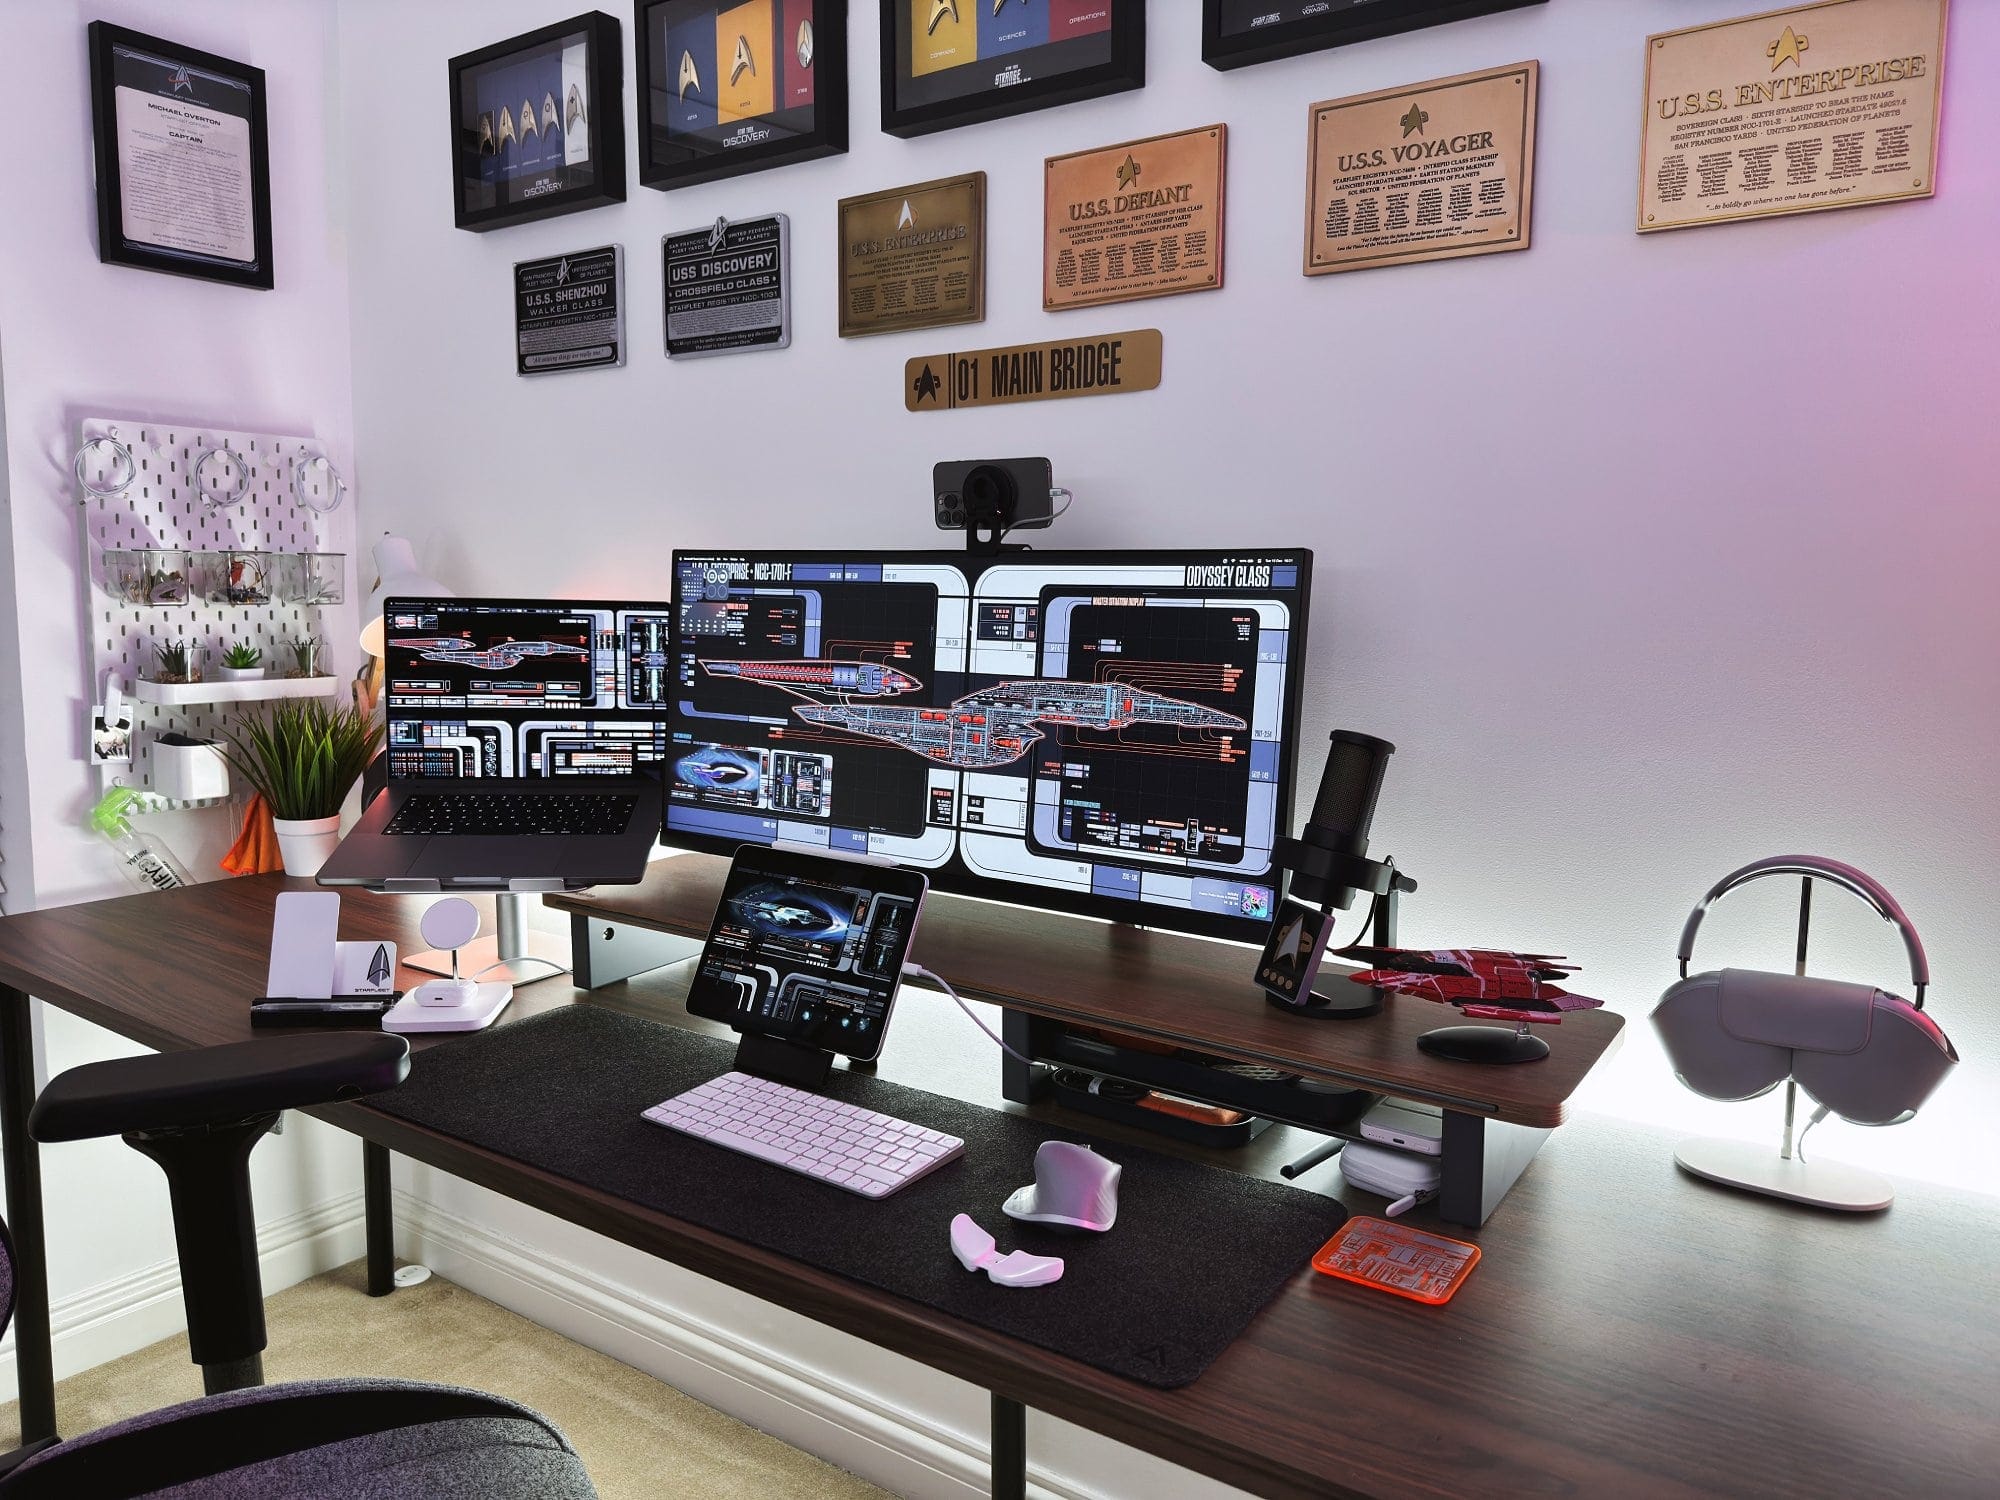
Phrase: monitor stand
[527,954]
[782,1061]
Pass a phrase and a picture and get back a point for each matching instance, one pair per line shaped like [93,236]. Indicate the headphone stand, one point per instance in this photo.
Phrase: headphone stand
[1742,1164]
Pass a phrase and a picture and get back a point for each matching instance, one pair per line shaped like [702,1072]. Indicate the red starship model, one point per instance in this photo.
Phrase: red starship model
[1483,982]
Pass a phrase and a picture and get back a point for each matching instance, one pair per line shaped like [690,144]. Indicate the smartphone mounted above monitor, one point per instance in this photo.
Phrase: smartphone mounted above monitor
[986,498]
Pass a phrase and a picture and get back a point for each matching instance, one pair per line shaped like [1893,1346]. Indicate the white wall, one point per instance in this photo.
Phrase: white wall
[78,337]
[1653,555]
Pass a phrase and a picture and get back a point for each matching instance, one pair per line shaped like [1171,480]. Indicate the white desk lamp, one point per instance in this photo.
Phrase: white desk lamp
[516,953]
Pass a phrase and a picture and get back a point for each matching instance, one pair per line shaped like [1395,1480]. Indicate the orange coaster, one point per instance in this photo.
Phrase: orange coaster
[1396,1258]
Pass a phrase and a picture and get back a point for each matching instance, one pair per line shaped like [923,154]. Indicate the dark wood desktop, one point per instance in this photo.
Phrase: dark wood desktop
[1629,1332]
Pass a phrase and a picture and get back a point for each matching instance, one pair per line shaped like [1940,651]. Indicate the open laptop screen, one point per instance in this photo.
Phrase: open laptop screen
[524,687]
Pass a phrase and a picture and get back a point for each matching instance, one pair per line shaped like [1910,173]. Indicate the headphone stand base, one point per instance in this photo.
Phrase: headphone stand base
[1758,1169]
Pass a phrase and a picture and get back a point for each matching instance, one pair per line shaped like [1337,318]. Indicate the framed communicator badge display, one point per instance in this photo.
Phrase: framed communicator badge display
[913,257]
[1139,219]
[1434,171]
[1817,106]
[734,86]
[538,124]
[956,62]
[1236,33]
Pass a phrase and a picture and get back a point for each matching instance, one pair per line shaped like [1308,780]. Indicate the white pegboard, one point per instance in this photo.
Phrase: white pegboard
[161,508]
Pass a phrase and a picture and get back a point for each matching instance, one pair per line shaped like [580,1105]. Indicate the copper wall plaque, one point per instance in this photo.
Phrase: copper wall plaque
[1819,106]
[913,257]
[1143,219]
[1110,364]
[1430,172]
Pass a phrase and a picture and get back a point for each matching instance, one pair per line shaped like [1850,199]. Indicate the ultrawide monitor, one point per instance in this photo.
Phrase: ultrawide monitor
[1109,734]
[524,687]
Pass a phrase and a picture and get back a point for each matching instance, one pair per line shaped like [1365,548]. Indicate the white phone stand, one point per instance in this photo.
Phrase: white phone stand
[457,1003]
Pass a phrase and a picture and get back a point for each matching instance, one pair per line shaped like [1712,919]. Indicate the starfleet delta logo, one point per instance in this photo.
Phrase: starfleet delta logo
[745,62]
[905,219]
[939,10]
[1789,48]
[1414,122]
[178,82]
[690,75]
[805,44]
[928,385]
[1128,173]
[718,233]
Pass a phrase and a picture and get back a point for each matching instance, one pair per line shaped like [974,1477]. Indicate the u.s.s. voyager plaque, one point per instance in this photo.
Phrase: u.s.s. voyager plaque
[1141,219]
[913,257]
[1434,171]
[1818,106]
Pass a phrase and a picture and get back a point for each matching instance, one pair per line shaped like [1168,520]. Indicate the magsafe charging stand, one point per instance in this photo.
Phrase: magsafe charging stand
[453,1004]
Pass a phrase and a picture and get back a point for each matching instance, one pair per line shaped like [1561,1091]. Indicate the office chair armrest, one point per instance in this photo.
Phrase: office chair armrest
[216,1085]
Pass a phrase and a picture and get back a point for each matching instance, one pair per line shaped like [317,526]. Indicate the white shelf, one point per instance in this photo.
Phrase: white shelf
[261,690]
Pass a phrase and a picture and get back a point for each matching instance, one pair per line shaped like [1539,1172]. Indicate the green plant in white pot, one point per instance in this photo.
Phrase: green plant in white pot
[242,662]
[302,756]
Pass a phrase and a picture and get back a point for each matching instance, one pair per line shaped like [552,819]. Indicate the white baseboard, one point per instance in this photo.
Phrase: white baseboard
[810,1408]
[128,1313]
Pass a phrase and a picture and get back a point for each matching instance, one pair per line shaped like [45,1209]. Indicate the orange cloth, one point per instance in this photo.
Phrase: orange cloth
[255,851]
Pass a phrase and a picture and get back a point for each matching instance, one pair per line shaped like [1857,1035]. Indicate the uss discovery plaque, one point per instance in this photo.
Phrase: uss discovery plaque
[1819,106]
[569,312]
[1141,219]
[729,287]
[1435,171]
[1111,364]
[913,257]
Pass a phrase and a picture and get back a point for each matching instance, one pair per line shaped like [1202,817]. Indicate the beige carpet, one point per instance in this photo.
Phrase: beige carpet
[639,1439]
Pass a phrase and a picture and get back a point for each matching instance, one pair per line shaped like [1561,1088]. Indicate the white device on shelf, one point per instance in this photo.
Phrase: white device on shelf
[1407,1127]
[454,1004]
[857,1149]
[1404,1176]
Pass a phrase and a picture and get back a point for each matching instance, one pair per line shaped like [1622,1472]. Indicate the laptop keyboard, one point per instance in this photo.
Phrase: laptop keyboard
[853,1148]
[512,812]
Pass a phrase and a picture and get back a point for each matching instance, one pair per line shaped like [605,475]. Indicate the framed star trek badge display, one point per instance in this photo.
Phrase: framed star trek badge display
[956,62]
[734,86]
[183,159]
[1141,219]
[1236,33]
[538,124]
[913,257]
[1434,171]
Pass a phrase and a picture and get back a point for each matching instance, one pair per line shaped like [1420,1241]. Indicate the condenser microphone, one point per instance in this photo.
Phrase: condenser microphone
[1341,815]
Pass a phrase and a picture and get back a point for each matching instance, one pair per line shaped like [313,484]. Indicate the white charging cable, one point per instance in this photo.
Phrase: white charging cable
[918,971]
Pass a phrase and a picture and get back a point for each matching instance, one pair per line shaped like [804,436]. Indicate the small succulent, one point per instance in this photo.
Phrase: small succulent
[178,661]
[241,656]
[305,656]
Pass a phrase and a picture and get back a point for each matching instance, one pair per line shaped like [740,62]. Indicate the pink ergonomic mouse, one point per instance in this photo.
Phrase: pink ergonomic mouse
[1074,1188]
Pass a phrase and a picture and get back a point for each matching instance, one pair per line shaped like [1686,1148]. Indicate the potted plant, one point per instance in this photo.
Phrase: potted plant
[305,656]
[303,756]
[242,662]
[177,661]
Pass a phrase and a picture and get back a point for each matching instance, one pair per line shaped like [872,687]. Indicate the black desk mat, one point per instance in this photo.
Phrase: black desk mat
[1196,1251]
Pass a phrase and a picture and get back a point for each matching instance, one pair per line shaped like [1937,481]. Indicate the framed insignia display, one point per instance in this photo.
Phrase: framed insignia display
[183,159]
[538,124]
[734,86]
[1236,33]
[947,63]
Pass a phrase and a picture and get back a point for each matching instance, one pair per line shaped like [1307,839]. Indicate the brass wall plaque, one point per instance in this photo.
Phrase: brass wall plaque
[1110,364]
[913,257]
[1818,106]
[1430,172]
[1143,219]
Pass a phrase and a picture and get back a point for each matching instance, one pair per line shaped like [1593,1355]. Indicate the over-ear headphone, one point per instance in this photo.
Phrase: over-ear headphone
[1869,1056]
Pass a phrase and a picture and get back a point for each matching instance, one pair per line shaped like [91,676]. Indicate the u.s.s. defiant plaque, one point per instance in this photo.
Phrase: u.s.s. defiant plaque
[1141,219]
[1430,172]
[1818,106]
[1109,364]
[913,257]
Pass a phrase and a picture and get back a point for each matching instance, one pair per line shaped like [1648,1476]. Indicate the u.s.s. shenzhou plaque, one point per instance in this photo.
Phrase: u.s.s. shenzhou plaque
[569,311]
[1140,219]
[913,257]
[1434,171]
[1790,112]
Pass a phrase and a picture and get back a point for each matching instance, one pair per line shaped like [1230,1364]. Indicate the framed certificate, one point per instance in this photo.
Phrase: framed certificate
[734,86]
[947,63]
[538,124]
[1236,33]
[183,159]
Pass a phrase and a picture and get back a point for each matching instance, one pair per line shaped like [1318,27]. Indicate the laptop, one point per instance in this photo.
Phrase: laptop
[524,745]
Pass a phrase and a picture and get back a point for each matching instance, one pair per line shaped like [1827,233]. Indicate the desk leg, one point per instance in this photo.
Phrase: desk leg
[34,1358]
[381,1219]
[1010,1449]
[1481,1160]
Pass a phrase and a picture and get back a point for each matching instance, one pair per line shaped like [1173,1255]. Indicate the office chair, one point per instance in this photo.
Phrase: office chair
[198,1114]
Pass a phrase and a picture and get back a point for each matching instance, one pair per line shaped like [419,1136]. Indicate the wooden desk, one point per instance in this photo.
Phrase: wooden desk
[1050,973]
[1630,1332]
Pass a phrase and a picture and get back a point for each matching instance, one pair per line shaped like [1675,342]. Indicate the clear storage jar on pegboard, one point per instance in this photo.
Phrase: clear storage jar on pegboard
[155,576]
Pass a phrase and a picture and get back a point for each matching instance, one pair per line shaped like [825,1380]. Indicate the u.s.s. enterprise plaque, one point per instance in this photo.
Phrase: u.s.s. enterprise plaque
[1141,219]
[1434,171]
[1813,107]
[913,257]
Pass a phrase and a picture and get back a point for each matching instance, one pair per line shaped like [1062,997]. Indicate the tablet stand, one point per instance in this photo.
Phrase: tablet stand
[781,1061]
